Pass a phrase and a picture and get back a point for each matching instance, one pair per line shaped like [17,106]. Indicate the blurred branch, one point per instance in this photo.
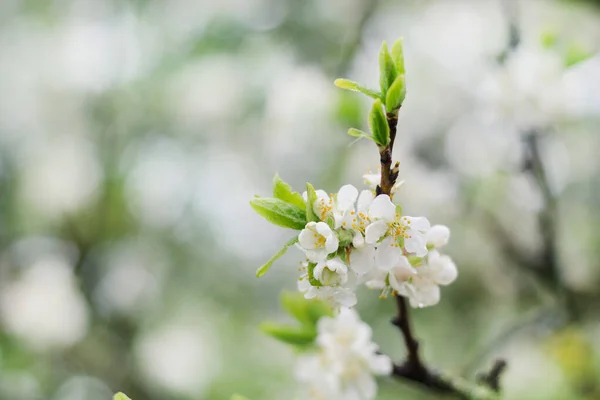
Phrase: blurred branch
[492,378]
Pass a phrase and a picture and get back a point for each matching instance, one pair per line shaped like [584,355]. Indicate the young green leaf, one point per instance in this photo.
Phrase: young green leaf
[357,133]
[279,213]
[395,94]
[387,69]
[576,54]
[265,267]
[238,397]
[311,197]
[398,56]
[298,336]
[355,87]
[283,191]
[121,396]
[297,306]
[318,309]
[378,125]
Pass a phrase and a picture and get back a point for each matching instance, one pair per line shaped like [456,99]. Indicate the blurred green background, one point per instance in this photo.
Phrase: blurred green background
[134,132]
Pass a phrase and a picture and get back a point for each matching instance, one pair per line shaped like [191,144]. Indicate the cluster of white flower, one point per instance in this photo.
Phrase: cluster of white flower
[364,239]
[345,361]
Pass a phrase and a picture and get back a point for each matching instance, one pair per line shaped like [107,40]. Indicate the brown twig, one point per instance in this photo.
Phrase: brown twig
[492,378]
[413,368]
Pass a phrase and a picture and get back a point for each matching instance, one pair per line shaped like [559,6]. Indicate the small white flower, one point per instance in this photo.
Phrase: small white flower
[438,236]
[317,240]
[421,284]
[387,222]
[374,179]
[331,272]
[346,360]
[351,208]
[337,283]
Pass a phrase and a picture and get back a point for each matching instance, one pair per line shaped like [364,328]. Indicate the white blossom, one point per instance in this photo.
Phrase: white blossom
[336,283]
[421,283]
[386,221]
[345,362]
[317,240]
[438,236]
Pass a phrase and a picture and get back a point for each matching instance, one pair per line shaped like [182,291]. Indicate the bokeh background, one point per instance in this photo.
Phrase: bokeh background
[134,132]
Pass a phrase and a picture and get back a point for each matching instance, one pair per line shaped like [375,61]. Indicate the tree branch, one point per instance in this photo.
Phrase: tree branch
[413,368]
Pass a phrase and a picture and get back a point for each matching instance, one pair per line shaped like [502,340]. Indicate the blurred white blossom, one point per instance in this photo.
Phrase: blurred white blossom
[180,358]
[44,307]
[345,362]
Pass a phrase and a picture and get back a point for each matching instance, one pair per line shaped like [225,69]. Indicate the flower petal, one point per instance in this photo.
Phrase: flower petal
[362,259]
[364,201]
[387,256]
[382,208]
[416,243]
[419,223]
[375,231]
[438,236]
[346,197]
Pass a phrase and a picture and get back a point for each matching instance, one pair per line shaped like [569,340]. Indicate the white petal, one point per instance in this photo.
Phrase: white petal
[306,238]
[346,197]
[419,223]
[345,297]
[416,244]
[358,240]
[445,269]
[387,256]
[382,208]
[323,229]
[367,385]
[303,284]
[315,255]
[362,259]
[375,231]
[364,201]
[332,243]
[380,364]
[318,270]
[372,179]
[425,296]
[438,236]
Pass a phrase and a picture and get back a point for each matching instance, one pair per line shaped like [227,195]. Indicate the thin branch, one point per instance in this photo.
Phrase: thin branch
[413,369]
[492,378]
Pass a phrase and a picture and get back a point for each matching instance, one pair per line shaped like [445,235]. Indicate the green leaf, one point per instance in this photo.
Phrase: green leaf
[298,336]
[357,133]
[307,312]
[355,87]
[121,396]
[395,94]
[318,309]
[414,260]
[311,276]
[283,191]
[387,69]
[279,213]
[576,54]
[378,125]
[297,306]
[238,397]
[398,56]
[311,196]
[265,267]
